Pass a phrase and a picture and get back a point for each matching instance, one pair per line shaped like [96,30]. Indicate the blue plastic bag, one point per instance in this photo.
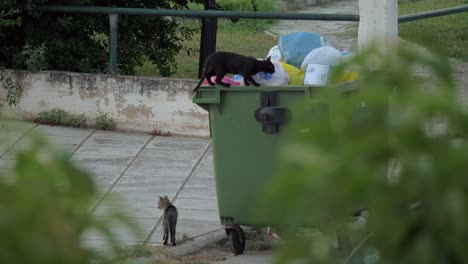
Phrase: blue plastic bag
[294,47]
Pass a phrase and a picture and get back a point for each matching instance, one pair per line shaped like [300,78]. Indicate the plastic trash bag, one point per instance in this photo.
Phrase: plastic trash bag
[279,78]
[294,47]
[225,80]
[275,54]
[324,56]
[296,76]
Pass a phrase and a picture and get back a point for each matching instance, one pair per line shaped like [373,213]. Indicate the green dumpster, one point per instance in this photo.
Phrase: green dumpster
[245,124]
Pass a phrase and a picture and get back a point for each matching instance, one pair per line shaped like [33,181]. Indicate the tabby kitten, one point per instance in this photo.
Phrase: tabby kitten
[169,219]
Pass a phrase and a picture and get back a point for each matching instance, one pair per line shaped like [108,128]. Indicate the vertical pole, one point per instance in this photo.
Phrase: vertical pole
[208,35]
[378,23]
[113,22]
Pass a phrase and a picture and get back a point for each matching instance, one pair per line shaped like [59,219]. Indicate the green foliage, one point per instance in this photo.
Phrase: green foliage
[450,30]
[7,83]
[75,42]
[32,58]
[103,122]
[45,211]
[9,18]
[61,117]
[377,148]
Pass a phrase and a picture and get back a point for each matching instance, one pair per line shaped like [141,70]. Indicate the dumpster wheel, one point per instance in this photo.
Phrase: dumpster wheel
[236,239]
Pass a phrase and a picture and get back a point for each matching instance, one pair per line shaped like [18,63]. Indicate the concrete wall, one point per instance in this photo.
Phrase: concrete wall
[136,103]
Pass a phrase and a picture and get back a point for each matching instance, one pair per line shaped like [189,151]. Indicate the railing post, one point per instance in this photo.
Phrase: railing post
[208,36]
[113,23]
[378,23]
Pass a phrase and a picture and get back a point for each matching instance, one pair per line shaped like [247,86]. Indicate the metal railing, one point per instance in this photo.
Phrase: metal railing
[114,12]
[434,13]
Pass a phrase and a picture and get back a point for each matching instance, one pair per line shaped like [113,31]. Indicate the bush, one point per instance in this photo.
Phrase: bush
[377,148]
[61,117]
[74,42]
[103,122]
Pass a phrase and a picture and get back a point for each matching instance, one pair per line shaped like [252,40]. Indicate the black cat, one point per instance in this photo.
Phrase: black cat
[220,63]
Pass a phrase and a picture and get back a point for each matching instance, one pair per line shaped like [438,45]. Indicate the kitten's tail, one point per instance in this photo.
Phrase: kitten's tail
[172,231]
[203,76]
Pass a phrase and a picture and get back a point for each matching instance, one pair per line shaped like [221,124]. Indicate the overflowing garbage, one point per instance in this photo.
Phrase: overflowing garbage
[300,58]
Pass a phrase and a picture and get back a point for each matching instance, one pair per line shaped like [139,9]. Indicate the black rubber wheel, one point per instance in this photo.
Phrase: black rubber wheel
[237,241]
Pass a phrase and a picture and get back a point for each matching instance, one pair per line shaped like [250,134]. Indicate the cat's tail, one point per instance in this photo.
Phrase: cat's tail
[172,231]
[203,76]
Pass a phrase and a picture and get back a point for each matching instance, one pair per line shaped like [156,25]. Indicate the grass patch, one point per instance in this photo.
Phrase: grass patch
[103,122]
[449,31]
[255,44]
[136,251]
[60,117]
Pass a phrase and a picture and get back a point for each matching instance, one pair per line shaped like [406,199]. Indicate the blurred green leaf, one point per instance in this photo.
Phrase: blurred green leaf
[377,148]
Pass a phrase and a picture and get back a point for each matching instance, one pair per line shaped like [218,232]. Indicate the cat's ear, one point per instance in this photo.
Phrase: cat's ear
[165,197]
[269,58]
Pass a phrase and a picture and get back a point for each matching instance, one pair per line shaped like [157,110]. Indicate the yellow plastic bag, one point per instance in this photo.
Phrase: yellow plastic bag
[296,76]
[348,76]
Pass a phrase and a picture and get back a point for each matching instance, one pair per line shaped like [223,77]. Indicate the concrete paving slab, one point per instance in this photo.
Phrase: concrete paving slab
[132,170]
[101,169]
[132,201]
[164,163]
[103,245]
[11,137]
[108,151]
[131,190]
[67,149]
[189,228]
[204,173]
[157,181]
[209,156]
[135,212]
[146,169]
[63,131]
[201,183]
[99,159]
[123,233]
[69,140]
[114,139]
[173,154]
[179,142]
[200,193]
[199,215]
[8,125]
[196,204]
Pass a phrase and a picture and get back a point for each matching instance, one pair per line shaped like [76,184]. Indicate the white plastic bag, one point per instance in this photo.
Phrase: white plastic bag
[275,54]
[324,55]
[279,78]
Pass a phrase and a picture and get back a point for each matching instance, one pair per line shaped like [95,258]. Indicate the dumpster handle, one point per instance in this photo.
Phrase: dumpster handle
[270,115]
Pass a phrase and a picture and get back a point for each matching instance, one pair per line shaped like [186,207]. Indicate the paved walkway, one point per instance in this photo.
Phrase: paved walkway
[340,34]
[137,168]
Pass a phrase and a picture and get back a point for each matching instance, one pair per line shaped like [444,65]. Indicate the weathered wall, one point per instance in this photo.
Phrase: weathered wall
[136,103]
